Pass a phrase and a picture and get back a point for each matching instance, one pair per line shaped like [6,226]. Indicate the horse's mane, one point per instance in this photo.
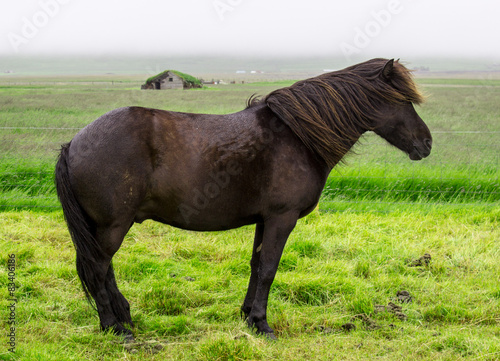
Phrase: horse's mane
[330,111]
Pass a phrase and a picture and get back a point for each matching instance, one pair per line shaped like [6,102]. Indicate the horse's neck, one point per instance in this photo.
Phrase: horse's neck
[348,145]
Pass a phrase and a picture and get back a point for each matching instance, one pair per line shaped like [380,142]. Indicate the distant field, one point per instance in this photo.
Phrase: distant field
[203,66]
[342,267]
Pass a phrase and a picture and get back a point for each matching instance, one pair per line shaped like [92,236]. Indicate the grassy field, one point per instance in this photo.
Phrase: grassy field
[185,289]
[342,269]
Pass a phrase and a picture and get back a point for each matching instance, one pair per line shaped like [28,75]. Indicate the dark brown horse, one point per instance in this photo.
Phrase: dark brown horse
[266,165]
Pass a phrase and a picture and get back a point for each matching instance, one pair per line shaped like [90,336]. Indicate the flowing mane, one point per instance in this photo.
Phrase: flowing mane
[329,111]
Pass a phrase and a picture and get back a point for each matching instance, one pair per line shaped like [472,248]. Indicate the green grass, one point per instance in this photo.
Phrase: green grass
[481,82]
[185,289]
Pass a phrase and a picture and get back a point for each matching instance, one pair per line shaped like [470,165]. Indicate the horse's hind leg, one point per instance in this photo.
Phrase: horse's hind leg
[112,307]
[120,305]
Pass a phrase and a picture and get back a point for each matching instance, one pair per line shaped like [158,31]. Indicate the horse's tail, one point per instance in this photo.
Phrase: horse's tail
[81,227]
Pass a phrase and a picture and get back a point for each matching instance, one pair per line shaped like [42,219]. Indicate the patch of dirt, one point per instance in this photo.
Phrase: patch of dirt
[187,278]
[323,329]
[152,346]
[404,297]
[370,324]
[348,327]
[425,260]
[396,310]
[367,321]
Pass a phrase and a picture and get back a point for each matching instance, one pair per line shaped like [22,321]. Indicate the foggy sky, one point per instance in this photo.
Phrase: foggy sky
[388,28]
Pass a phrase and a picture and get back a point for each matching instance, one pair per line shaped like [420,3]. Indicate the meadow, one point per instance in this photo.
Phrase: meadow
[338,292]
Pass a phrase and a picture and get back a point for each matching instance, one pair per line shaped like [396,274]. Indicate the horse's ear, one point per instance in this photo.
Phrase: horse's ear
[387,70]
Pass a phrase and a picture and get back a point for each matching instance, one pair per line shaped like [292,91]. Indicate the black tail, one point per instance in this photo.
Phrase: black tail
[81,227]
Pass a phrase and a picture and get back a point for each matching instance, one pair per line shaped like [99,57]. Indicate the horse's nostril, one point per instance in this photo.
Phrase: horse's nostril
[428,143]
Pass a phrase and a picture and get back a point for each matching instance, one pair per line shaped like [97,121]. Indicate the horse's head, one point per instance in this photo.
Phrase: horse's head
[398,122]
[402,127]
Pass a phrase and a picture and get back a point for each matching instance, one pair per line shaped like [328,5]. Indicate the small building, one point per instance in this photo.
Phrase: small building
[172,79]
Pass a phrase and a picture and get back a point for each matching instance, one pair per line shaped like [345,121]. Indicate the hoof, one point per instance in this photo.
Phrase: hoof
[128,337]
[261,328]
[270,336]
[119,330]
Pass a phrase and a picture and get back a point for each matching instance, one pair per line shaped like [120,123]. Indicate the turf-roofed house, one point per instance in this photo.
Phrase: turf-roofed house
[172,79]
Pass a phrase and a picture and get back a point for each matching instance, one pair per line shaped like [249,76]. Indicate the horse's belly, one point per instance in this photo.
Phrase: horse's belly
[198,210]
[196,217]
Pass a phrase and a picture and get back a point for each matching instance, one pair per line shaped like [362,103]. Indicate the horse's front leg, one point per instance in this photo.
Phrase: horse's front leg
[254,264]
[275,234]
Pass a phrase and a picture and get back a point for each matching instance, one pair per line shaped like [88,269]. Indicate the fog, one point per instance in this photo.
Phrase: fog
[351,29]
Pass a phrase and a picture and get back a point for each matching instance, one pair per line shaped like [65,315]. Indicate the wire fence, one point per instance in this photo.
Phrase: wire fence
[462,171]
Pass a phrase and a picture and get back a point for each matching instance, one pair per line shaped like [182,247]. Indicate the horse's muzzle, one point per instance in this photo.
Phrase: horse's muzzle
[421,150]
